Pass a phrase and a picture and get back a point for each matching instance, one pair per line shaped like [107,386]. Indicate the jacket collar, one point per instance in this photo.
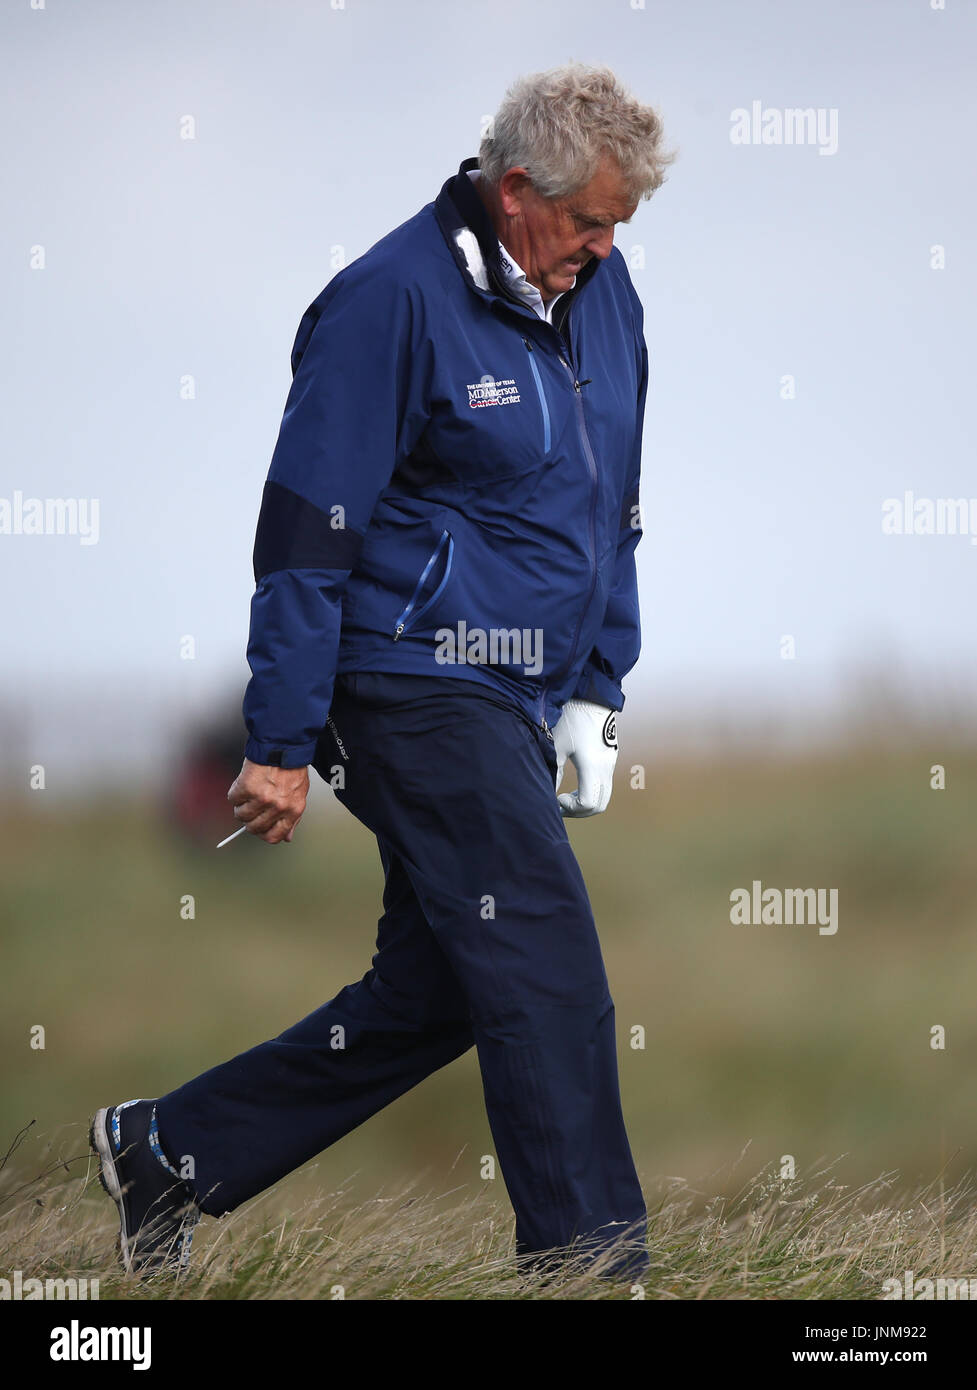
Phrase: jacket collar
[462,215]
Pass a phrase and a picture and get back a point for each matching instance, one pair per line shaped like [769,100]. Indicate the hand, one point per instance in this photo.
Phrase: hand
[270,800]
[586,734]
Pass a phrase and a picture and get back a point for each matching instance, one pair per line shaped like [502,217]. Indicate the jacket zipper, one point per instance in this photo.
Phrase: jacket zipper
[592,465]
[446,539]
[592,468]
[546,448]
[542,396]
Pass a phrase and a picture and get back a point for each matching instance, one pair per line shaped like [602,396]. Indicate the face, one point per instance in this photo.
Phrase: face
[554,238]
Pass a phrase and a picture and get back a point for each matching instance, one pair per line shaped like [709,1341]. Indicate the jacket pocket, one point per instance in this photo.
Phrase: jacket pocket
[411,614]
[542,395]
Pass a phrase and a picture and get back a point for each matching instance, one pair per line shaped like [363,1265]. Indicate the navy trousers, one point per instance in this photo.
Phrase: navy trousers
[487,938]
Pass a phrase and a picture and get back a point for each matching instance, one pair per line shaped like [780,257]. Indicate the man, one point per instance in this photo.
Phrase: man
[446,605]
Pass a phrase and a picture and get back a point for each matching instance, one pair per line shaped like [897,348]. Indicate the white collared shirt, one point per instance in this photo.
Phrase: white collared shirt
[515,275]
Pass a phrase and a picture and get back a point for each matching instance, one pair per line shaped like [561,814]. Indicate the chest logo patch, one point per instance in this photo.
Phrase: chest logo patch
[491,391]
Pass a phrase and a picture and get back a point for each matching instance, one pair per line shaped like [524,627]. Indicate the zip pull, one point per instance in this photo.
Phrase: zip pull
[546,729]
[398,631]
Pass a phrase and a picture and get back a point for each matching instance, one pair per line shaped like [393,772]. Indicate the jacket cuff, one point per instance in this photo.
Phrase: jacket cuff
[275,755]
[599,690]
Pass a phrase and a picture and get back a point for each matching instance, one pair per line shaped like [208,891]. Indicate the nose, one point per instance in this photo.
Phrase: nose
[602,243]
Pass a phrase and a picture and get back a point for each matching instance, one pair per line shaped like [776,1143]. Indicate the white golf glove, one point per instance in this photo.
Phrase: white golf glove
[586,734]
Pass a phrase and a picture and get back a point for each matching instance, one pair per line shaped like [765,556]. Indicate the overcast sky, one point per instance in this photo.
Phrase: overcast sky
[317,127]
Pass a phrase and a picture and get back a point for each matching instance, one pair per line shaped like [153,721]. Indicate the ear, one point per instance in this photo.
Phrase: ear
[514,187]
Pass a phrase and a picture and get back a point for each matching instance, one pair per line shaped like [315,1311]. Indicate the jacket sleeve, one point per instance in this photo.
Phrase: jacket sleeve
[619,641]
[358,402]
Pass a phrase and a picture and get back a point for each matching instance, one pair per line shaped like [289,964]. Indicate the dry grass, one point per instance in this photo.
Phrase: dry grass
[810,1238]
[800,1044]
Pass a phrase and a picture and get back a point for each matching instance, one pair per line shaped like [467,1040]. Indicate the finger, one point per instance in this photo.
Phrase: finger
[282,828]
[593,793]
[576,806]
[281,832]
[271,834]
[268,817]
[275,835]
[237,793]
[251,800]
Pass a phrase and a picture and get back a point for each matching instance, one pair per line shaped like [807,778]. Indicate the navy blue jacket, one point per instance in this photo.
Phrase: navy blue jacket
[454,490]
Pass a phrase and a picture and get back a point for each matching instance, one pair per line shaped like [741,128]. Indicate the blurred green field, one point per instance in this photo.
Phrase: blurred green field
[773,1039]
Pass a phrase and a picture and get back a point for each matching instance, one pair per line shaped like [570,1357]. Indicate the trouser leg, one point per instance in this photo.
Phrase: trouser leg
[463,788]
[251,1120]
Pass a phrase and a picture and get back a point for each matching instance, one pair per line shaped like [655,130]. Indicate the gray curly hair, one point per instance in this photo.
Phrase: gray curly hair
[558,124]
